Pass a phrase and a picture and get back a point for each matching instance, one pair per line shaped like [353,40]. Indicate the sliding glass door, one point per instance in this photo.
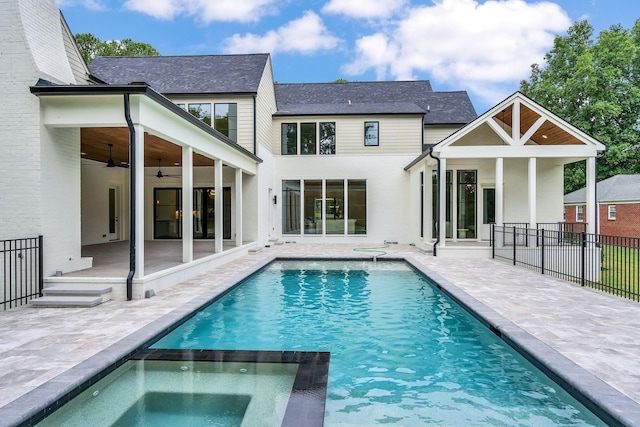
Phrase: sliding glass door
[168,213]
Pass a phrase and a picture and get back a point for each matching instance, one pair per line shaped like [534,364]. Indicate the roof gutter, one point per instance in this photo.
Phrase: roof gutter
[435,244]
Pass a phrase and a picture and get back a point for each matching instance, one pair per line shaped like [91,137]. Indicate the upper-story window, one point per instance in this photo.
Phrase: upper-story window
[201,111]
[310,134]
[328,138]
[579,213]
[289,138]
[307,138]
[371,133]
[612,212]
[226,120]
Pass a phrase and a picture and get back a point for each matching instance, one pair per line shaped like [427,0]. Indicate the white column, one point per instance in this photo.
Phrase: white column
[218,220]
[499,202]
[139,185]
[238,185]
[591,195]
[442,202]
[187,204]
[532,181]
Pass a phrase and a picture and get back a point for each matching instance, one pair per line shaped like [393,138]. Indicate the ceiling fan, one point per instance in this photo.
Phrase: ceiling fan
[160,174]
[111,163]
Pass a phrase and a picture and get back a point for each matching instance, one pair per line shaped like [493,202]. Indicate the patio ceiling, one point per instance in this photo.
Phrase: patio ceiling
[95,146]
[548,134]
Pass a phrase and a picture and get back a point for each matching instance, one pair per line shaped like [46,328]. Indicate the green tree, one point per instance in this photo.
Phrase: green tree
[90,47]
[595,85]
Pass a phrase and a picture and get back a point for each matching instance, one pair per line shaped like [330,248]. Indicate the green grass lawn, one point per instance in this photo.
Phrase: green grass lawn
[620,271]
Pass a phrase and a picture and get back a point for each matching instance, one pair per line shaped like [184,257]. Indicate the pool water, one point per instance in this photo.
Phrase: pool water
[401,351]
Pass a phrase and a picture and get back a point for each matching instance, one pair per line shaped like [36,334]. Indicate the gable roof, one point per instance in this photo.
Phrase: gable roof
[203,74]
[619,188]
[395,97]
[528,125]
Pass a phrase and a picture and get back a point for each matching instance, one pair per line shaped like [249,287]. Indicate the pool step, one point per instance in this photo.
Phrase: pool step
[72,295]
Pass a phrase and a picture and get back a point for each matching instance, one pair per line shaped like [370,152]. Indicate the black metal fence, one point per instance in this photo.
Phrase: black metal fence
[20,270]
[608,263]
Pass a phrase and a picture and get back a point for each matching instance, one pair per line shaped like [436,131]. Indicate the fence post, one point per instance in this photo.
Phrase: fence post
[584,253]
[40,264]
[542,251]
[514,245]
[493,241]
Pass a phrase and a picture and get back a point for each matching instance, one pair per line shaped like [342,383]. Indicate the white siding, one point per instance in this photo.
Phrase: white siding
[265,108]
[78,67]
[436,133]
[398,135]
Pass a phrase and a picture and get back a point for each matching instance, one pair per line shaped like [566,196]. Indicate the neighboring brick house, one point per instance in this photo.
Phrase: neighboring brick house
[618,200]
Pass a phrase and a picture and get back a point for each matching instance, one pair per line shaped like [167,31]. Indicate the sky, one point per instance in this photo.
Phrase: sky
[485,47]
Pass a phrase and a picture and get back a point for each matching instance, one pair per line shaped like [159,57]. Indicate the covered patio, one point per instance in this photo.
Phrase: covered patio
[505,167]
[145,164]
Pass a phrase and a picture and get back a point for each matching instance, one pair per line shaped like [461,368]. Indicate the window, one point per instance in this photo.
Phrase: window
[612,212]
[448,205]
[579,214]
[291,207]
[371,133]
[307,138]
[357,218]
[313,207]
[564,213]
[328,138]
[202,112]
[467,187]
[181,106]
[289,138]
[226,120]
[489,206]
[334,211]
[342,209]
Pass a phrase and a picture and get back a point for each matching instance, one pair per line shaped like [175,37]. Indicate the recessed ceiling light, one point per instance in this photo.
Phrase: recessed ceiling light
[545,136]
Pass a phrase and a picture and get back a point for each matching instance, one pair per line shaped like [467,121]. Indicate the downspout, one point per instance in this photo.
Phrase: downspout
[435,244]
[132,197]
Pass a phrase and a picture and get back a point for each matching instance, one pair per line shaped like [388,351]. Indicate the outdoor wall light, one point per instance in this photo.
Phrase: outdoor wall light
[275,200]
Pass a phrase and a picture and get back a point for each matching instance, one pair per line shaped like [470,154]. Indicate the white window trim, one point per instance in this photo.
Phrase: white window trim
[579,213]
[610,212]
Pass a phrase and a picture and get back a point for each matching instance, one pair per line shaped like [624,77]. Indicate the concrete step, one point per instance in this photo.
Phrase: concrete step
[66,301]
[76,290]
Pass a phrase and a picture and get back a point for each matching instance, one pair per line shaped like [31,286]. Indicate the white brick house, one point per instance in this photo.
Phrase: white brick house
[255,162]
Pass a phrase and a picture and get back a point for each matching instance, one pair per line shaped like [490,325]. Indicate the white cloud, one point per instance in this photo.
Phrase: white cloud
[477,45]
[89,4]
[364,8]
[305,35]
[204,10]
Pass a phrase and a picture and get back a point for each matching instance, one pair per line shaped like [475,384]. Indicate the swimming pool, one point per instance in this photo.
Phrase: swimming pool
[401,351]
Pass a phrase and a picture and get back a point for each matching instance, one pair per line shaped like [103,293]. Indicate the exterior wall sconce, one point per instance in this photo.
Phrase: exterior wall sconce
[275,200]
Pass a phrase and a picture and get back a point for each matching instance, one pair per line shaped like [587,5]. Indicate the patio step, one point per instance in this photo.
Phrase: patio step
[66,301]
[72,295]
[76,290]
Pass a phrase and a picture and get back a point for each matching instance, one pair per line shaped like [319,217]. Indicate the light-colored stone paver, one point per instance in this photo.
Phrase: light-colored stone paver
[597,331]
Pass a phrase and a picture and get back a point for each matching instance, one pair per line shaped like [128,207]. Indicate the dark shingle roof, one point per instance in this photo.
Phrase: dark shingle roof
[353,108]
[394,97]
[619,188]
[185,74]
